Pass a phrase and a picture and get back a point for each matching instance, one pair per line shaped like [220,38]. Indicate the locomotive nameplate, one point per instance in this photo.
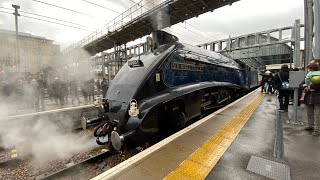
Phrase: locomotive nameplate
[186,67]
[135,63]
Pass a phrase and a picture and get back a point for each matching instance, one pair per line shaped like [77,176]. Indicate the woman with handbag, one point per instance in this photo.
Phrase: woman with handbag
[281,80]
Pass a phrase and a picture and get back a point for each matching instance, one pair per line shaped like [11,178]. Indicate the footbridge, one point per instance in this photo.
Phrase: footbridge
[274,46]
[141,19]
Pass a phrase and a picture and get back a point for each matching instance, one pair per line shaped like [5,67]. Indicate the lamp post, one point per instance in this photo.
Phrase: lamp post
[17,54]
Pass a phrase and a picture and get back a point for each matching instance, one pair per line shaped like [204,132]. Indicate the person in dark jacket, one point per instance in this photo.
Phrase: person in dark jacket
[263,81]
[74,91]
[98,85]
[283,96]
[104,87]
[85,91]
[91,89]
[64,92]
[312,103]
[270,83]
[42,90]
[56,86]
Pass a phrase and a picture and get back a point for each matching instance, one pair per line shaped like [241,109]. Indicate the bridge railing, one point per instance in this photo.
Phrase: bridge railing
[136,10]
[258,39]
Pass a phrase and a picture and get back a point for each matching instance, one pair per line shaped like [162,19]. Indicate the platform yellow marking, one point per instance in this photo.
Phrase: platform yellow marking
[201,162]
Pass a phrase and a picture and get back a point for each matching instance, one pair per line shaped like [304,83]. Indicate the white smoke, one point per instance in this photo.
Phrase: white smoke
[44,139]
[160,19]
[76,62]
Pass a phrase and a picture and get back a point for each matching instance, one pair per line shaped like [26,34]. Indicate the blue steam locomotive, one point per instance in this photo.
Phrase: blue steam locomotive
[160,91]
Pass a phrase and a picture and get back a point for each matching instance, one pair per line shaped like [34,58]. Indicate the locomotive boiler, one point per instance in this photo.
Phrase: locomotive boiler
[160,91]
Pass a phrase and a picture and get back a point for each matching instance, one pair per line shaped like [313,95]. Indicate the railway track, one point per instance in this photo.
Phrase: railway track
[76,168]
[14,156]
[85,165]
[10,156]
[31,162]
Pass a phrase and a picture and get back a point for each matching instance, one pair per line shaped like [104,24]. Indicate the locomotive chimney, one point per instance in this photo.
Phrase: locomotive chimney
[161,37]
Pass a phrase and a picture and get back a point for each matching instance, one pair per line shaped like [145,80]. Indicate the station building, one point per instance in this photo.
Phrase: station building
[35,52]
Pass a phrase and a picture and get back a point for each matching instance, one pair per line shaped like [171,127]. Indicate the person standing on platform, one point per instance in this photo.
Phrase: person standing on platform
[85,90]
[313,70]
[91,89]
[312,103]
[42,91]
[55,90]
[263,82]
[51,92]
[270,83]
[74,91]
[65,91]
[284,94]
[98,85]
[104,87]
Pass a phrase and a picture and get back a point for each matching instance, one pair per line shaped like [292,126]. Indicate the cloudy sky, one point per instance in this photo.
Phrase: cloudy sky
[243,17]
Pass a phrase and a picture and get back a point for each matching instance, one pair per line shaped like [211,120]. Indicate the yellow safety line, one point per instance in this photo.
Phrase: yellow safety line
[201,162]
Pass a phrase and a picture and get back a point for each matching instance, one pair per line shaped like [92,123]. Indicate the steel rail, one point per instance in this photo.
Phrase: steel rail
[76,168]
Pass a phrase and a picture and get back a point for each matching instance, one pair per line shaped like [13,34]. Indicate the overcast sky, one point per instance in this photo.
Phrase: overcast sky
[242,17]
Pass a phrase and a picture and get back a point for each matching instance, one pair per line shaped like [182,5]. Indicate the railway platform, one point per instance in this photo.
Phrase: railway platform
[248,139]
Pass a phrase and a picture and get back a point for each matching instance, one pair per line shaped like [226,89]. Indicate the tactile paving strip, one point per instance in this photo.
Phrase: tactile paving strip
[267,168]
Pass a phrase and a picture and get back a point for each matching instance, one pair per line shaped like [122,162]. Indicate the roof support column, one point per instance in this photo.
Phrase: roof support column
[212,48]
[308,13]
[219,45]
[296,36]
[317,29]
[103,59]
[280,34]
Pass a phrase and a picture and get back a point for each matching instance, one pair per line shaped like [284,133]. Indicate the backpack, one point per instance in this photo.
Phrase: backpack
[284,84]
